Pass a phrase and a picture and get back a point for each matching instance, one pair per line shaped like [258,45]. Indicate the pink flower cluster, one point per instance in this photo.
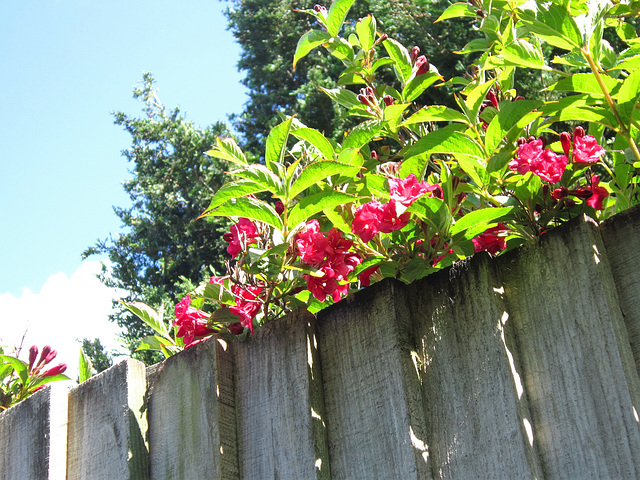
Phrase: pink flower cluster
[373,217]
[248,304]
[492,240]
[329,253]
[191,322]
[242,234]
[586,149]
[592,194]
[533,157]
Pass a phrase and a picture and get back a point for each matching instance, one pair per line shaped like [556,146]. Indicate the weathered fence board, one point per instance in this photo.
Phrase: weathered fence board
[192,432]
[279,405]
[33,437]
[477,412]
[575,355]
[516,367]
[107,425]
[374,413]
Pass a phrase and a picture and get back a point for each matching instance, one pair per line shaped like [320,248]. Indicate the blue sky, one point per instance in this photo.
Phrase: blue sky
[66,64]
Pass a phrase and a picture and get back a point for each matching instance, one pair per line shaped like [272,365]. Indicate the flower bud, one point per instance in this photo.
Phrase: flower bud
[363,100]
[415,51]
[422,65]
[388,100]
[374,155]
[236,328]
[50,356]
[228,237]
[493,99]
[279,207]
[559,193]
[33,353]
[320,9]
[46,350]
[519,97]
[521,141]
[578,132]
[565,140]
[57,370]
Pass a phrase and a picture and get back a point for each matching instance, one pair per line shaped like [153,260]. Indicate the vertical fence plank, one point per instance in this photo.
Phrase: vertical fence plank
[33,437]
[191,415]
[279,402]
[374,412]
[476,411]
[621,235]
[108,426]
[578,370]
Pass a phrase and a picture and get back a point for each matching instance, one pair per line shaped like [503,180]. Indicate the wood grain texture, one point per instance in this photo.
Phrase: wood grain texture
[108,426]
[577,366]
[476,410]
[621,235]
[191,415]
[33,436]
[375,417]
[279,404]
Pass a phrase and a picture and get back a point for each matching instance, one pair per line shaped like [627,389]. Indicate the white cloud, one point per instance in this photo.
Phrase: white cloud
[65,309]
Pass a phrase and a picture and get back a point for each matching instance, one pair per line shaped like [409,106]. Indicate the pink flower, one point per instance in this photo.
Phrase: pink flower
[242,234]
[33,353]
[365,276]
[533,157]
[408,190]
[490,241]
[190,321]
[422,65]
[390,220]
[247,304]
[366,220]
[598,193]
[337,244]
[586,149]
[311,243]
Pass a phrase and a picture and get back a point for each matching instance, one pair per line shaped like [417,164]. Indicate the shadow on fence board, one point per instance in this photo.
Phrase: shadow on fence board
[519,367]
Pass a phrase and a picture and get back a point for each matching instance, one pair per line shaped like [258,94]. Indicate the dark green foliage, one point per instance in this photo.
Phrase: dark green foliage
[268,33]
[100,359]
[171,185]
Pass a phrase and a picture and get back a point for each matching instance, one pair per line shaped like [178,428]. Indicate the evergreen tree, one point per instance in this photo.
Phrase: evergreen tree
[172,184]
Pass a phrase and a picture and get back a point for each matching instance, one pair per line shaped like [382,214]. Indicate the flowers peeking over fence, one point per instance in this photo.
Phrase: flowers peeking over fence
[412,188]
[19,379]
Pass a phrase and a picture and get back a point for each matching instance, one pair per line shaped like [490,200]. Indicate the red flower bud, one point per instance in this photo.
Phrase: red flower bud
[57,370]
[578,132]
[388,100]
[565,140]
[415,51]
[33,353]
[227,237]
[493,99]
[374,155]
[519,97]
[279,207]
[363,100]
[50,356]
[236,328]
[422,65]
[559,193]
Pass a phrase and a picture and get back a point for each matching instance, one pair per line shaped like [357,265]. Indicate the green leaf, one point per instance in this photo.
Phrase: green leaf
[554,24]
[341,49]
[628,97]
[337,14]
[216,292]
[227,149]
[47,380]
[277,143]
[315,138]
[588,114]
[433,211]
[308,42]
[393,113]
[309,206]
[342,96]
[21,368]
[522,53]
[476,222]
[419,84]
[507,117]
[476,45]
[239,188]
[585,83]
[248,208]
[400,57]
[84,367]
[366,30]
[457,10]
[261,175]
[318,171]
[476,97]
[149,316]
[362,134]
[151,342]
[435,113]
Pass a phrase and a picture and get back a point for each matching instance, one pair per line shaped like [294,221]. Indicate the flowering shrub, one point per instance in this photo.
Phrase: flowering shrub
[18,379]
[412,188]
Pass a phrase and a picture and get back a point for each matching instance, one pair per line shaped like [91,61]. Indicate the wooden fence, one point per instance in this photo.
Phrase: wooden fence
[520,367]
